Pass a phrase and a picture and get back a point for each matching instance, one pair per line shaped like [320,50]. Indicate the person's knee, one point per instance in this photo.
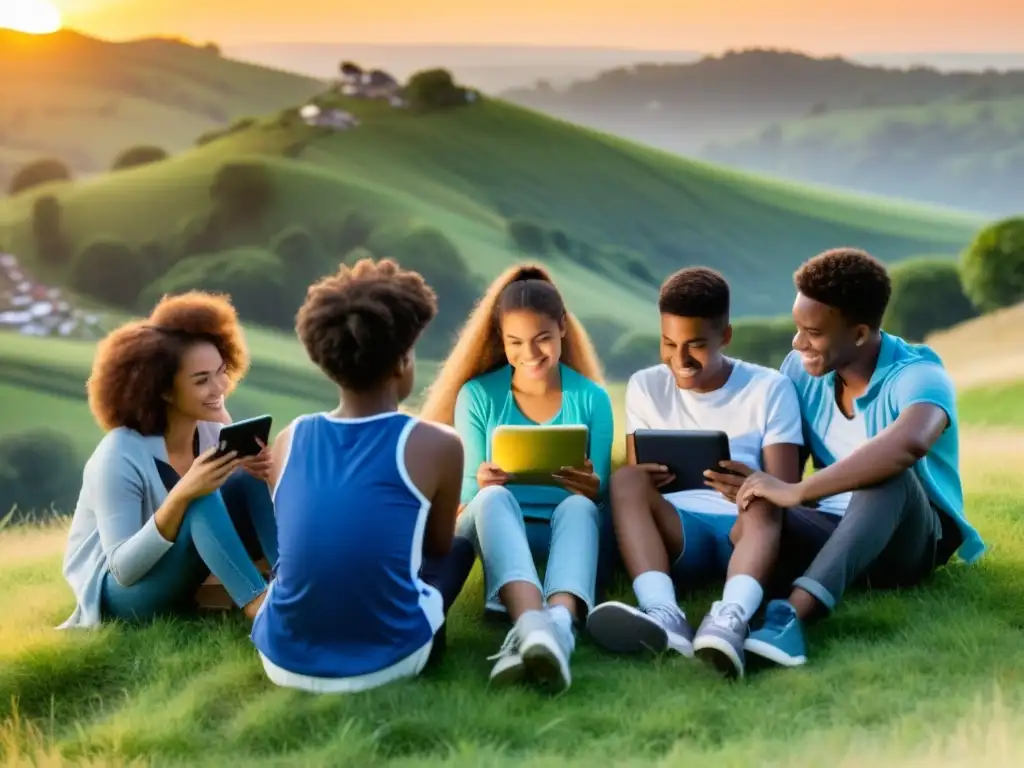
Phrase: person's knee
[494,497]
[754,520]
[628,485]
[577,507]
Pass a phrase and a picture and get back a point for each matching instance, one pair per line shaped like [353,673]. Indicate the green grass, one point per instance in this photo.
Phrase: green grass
[85,100]
[469,170]
[994,405]
[891,675]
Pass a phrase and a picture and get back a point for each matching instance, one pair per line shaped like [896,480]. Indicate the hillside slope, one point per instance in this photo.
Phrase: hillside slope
[962,153]
[616,218]
[84,100]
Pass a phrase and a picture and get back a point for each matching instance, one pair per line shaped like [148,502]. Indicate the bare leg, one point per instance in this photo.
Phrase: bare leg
[756,537]
[518,597]
[647,527]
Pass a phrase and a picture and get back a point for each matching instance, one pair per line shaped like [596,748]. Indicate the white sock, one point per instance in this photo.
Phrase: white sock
[655,588]
[745,592]
[562,620]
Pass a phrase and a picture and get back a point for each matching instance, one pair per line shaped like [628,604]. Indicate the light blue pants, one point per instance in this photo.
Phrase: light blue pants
[508,545]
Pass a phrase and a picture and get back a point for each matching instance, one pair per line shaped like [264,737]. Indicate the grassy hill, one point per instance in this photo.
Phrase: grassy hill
[84,100]
[962,153]
[925,677]
[626,215]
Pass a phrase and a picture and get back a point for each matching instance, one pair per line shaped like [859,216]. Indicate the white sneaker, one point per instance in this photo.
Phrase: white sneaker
[508,668]
[545,653]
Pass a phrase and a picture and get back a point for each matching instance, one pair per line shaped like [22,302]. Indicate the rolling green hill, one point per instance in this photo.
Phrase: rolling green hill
[616,217]
[84,100]
[968,154]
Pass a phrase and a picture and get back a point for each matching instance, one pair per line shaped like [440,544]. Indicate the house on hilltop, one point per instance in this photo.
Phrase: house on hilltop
[370,84]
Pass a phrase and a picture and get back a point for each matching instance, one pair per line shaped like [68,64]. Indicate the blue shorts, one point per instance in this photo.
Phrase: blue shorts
[706,547]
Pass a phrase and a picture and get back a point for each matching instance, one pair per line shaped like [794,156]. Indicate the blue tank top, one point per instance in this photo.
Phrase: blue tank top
[347,599]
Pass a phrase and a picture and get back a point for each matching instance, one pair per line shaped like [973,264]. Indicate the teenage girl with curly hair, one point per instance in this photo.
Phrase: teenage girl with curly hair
[158,511]
[366,497]
[523,359]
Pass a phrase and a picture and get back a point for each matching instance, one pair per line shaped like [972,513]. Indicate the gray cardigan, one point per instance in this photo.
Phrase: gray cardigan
[113,529]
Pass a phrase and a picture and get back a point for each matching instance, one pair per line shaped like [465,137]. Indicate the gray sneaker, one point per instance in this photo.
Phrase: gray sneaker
[624,629]
[720,638]
[533,648]
[508,662]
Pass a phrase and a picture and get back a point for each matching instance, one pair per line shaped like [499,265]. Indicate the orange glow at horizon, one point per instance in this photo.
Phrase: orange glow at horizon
[707,25]
[35,17]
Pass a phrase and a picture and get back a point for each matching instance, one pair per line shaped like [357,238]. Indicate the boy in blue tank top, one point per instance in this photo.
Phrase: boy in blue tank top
[365,497]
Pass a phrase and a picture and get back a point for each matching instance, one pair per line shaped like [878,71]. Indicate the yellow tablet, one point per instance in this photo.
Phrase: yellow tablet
[532,453]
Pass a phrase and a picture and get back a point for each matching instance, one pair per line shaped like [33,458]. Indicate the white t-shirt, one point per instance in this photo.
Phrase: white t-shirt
[842,438]
[756,407]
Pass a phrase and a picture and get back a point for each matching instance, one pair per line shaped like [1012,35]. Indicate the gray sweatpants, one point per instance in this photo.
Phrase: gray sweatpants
[890,536]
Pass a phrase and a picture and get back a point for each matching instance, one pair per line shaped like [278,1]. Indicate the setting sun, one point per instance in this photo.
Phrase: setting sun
[37,17]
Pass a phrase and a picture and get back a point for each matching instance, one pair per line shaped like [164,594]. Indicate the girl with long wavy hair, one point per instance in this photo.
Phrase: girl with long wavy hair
[524,359]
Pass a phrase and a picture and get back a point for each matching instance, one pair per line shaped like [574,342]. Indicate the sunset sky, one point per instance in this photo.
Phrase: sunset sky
[819,26]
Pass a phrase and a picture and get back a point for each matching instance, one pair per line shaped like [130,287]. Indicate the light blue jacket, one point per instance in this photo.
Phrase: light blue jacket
[113,529]
[904,375]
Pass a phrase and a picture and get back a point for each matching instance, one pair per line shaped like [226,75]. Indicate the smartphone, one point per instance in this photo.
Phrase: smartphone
[242,436]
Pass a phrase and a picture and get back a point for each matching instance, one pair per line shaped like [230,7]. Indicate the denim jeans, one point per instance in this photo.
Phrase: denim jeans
[508,544]
[221,533]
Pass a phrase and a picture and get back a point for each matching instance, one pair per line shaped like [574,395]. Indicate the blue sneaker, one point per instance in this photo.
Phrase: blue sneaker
[781,639]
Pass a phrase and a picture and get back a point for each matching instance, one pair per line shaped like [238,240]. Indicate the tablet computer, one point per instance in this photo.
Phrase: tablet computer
[241,436]
[686,453]
[532,453]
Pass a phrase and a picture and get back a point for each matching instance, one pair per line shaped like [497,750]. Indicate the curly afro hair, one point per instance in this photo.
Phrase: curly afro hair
[695,292]
[358,324]
[850,280]
[135,364]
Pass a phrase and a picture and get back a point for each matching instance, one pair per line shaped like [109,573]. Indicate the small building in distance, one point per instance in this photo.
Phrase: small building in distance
[370,84]
[35,309]
[335,119]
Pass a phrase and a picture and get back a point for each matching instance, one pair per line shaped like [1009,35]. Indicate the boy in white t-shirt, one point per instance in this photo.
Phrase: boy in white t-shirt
[697,536]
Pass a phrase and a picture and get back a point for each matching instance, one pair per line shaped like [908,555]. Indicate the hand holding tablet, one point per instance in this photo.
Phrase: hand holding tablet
[687,454]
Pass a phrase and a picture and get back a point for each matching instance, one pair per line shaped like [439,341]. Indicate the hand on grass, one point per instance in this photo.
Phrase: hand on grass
[582,481]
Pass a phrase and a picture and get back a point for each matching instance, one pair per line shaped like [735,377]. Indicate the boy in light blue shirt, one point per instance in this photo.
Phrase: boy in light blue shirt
[880,422]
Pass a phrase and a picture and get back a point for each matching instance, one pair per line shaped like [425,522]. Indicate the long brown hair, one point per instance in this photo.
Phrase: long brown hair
[480,350]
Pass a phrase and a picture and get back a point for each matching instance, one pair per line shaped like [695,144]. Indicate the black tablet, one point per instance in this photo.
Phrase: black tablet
[241,436]
[686,453]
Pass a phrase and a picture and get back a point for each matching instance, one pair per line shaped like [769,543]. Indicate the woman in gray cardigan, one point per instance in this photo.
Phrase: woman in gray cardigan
[158,512]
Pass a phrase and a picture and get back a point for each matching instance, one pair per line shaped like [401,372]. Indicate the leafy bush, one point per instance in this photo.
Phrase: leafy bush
[765,341]
[433,89]
[927,296]
[136,156]
[202,233]
[243,191]
[39,470]
[435,257]
[355,231]
[255,279]
[631,353]
[38,172]
[301,255]
[993,265]
[528,236]
[112,272]
[52,247]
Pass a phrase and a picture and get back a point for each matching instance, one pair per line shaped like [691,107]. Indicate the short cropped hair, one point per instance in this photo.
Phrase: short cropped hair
[357,324]
[849,280]
[135,364]
[695,292]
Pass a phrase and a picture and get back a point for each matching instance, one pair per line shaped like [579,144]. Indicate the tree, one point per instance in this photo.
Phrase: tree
[112,272]
[765,341]
[927,296]
[37,173]
[630,353]
[136,156]
[528,236]
[992,267]
[39,470]
[301,256]
[243,191]
[52,247]
[432,89]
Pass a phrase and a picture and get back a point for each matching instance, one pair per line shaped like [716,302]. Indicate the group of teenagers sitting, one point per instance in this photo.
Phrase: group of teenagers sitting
[347,539]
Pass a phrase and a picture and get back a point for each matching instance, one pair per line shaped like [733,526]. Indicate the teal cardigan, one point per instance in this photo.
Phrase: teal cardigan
[487,402]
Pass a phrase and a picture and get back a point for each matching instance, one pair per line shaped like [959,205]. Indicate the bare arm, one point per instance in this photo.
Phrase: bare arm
[435,460]
[893,450]
[279,451]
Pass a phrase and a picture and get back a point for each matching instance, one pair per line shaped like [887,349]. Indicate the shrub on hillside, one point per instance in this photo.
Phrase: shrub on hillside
[433,89]
[355,231]
[300,253]
[993,265]
[133,157]
[604,332]
[561,241]
[52,247]
[254,278]
[112,272]
[243,191]
[631,353]
[435,257]
[39,471]
[528,236]
[765,341]
[37,173]
[202,233]
[927,296]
